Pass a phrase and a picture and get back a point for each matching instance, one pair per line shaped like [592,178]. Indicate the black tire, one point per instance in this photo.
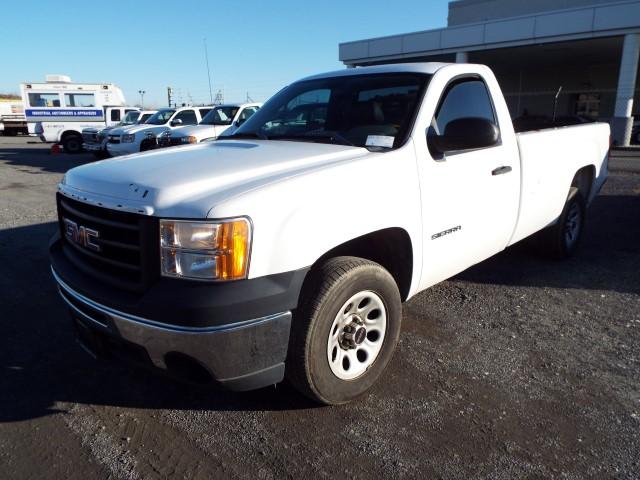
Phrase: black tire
[326,290]
[563,239]
[101,154]
[147,145]
[72,144]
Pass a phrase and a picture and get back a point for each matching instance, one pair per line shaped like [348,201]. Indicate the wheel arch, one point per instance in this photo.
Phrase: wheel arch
[583,180]
[68,133]
[390,247]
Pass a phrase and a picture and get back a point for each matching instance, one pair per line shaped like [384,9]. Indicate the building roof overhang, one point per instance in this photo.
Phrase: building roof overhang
[610,19]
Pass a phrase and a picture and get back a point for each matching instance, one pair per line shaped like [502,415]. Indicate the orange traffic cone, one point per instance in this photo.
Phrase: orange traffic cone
[56,148]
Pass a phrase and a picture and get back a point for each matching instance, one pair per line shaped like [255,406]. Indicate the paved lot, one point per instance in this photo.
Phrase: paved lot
[518,368]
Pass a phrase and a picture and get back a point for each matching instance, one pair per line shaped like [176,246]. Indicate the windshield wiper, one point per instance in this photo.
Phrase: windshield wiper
[333,137]
[260,136]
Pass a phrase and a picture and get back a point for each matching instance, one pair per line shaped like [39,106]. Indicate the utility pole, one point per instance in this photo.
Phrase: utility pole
[169,94]
[142,92]
[206,56]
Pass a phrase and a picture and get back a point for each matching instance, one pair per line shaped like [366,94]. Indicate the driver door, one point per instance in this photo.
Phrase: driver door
[470,197]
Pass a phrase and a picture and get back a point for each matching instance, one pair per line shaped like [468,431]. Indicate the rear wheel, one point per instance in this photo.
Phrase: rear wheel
[563,239]
[345,331]
[72,143]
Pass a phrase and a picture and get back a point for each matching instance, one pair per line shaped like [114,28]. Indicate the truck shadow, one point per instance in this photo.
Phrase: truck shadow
[43,371]
[42,160]
[608,258]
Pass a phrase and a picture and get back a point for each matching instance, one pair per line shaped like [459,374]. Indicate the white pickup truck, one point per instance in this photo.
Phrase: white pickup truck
[289,248]
[139,138]
[94,139]
[221,120]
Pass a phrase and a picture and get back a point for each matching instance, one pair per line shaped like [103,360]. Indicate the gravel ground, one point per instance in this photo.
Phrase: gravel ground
[518,368]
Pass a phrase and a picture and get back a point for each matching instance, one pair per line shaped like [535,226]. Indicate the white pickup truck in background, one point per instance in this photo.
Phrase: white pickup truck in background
[94,139]
[288,248]
[139,138]
[221,120]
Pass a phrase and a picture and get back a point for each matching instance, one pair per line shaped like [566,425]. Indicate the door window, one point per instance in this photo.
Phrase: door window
[463,99]
[115,115]
[246,114]
[188,117]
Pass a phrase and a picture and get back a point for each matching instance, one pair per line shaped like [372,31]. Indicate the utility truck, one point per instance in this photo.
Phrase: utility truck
[287,249]
[59,109]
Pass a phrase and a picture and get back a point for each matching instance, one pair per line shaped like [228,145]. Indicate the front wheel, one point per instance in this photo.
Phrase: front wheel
[345,330]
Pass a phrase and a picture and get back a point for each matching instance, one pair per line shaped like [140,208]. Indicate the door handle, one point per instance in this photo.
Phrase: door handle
[501,171]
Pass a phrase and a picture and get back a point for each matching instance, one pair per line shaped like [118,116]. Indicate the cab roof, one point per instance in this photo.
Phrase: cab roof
[428,68]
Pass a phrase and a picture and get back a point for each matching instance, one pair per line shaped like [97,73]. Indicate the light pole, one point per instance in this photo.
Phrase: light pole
[142,92]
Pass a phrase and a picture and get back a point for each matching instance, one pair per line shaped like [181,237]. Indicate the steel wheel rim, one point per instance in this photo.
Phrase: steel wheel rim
[364,310]
[573,224]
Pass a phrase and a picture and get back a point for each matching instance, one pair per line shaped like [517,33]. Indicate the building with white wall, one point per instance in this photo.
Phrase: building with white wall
[590,48]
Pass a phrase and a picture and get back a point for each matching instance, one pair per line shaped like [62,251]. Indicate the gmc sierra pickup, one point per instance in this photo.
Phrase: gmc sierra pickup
[288,248]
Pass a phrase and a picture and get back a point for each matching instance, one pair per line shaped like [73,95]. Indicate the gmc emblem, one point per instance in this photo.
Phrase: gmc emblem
[81,235]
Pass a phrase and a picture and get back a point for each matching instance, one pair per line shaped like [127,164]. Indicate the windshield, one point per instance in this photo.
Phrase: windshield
[161,117]
[130,118]
[220,116]
[144,117]
[374,111]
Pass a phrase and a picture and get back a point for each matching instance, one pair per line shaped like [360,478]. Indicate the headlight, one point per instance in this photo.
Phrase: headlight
[189,139]
[205,250]
[128,138]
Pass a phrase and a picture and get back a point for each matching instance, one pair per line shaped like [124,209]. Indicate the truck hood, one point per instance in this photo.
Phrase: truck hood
[155,129]
[189,181]
[200,131]
[100,129]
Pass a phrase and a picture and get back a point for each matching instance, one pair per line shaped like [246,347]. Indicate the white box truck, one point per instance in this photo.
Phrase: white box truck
[59,109]
[12,119]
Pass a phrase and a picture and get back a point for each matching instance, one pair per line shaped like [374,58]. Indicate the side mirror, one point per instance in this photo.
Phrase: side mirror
[466,134]
[176,123]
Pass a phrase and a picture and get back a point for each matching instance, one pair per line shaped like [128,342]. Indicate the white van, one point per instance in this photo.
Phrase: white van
[58,109]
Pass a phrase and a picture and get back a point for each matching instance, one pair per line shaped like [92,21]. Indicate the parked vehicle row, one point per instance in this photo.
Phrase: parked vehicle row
[95,139]
[221,120]
[288,247]
[95,117]
[139,138]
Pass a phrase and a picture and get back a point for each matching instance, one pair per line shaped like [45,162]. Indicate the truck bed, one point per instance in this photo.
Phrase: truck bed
[549,160]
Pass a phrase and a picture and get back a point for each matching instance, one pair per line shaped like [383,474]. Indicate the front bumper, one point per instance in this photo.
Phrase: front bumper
[118,149]
[164,142]
[240,356]
[93,147]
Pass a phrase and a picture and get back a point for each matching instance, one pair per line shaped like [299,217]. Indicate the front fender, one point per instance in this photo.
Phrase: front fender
[297,220]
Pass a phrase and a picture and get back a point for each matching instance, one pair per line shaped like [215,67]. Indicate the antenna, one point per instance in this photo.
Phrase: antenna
[206,56]
[555,104]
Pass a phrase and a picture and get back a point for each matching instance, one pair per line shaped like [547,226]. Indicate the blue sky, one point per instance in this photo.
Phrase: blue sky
[255,47]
